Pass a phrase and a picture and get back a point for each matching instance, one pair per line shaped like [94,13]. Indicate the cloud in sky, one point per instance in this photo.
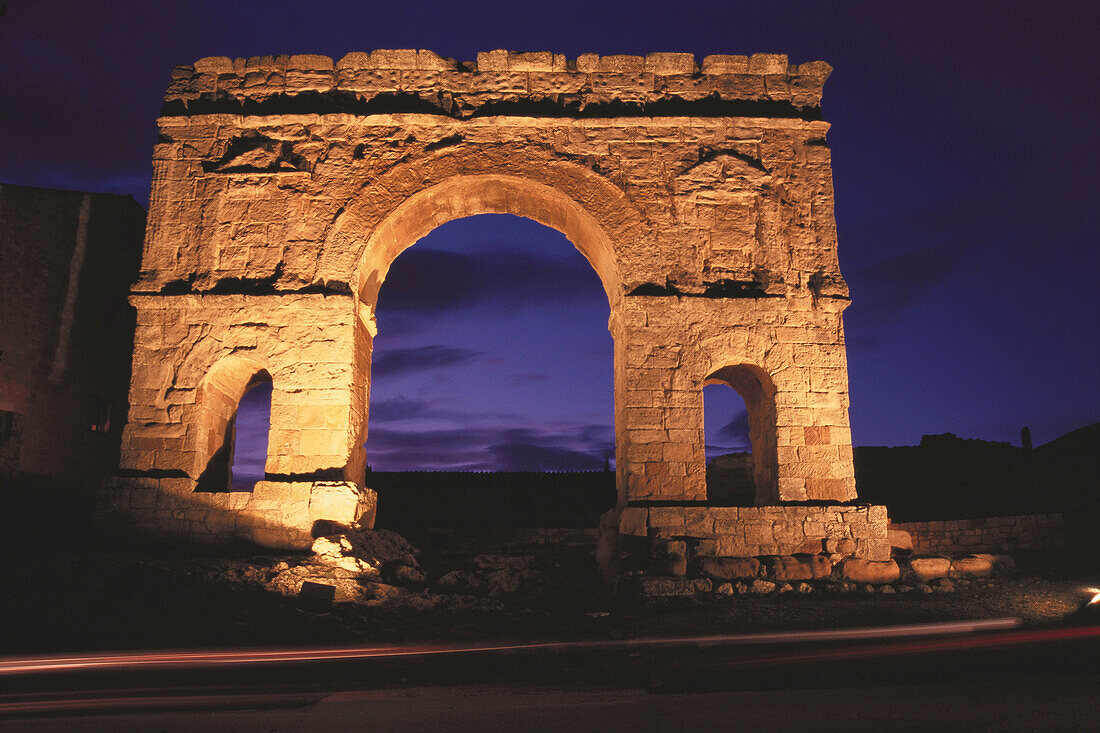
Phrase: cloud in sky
[421,358]
[737,428]
[727,421]
[487,447]
[526,457]
[901,258]
[896,283]
[427,281]
[403,408]
[400,408]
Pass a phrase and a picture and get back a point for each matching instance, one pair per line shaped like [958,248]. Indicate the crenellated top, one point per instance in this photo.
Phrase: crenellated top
[411,80]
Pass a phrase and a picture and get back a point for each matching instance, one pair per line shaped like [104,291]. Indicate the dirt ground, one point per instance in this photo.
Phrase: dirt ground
[61,599]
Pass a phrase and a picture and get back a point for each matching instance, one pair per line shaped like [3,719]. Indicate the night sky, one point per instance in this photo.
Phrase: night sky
[964,146]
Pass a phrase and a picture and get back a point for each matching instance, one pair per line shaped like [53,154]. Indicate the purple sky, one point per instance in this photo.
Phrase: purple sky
[964,152]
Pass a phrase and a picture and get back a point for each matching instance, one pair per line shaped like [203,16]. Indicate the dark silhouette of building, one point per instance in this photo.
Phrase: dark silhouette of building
[409,500]
[67,260]
[947,477]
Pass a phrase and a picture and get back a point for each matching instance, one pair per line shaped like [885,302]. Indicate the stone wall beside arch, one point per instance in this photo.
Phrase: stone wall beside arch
[194,356]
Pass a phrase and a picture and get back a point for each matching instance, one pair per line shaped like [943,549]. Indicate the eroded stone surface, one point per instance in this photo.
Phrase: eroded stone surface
[857,530]
[284,186]
[971,567]
[926,569]
[868,571]
[730,568]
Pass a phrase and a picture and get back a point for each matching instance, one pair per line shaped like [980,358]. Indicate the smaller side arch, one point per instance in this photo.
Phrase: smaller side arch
[218,398]
[758,391]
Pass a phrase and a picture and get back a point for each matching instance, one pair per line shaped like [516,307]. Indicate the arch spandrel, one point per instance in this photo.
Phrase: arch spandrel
[393,212]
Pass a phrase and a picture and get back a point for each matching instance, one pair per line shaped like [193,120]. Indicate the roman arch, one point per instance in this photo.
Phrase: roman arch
[284,187]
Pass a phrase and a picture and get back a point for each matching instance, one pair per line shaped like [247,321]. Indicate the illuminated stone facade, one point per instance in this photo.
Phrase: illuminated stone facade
[284,187]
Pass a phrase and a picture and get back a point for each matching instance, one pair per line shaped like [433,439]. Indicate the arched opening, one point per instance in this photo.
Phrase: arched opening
[251,427]
[740,436]
[493,367]
[464,196]
[450,195]
[234,403]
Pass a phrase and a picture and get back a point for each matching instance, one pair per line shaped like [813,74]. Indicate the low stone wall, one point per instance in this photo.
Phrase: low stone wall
[851,530]
[512,540]
[987,534]
[274,514]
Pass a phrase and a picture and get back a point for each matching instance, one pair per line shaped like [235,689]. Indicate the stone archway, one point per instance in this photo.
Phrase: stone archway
[757,390]
[218,398]
[461,196]
[465,195]
[701,194]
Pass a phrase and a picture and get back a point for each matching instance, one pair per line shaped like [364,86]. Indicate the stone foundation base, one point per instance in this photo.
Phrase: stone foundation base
[274,514]
[987,534]
[848,530]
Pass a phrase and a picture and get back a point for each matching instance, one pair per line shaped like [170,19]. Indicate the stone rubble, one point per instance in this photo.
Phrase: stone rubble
[730,576]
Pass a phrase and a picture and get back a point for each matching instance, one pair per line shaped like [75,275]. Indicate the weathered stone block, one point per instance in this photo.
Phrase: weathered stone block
[860,570]
[665,587]
[730,568]
[667,64]
[900,541]
[698,521]
[930,568]
[725,64]
[971,567]
[214,65]
[840,545]
[340,501]
[667,520]
[394,59]
[759,534]
[873,549]
[621,63]
[634,522]
[734,546]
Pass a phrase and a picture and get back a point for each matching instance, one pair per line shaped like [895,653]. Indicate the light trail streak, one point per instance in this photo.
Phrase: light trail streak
[240,657]
[919,647]
[160,703]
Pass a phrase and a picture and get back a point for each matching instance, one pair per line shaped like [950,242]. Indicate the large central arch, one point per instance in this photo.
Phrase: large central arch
[469,195]
[460,196]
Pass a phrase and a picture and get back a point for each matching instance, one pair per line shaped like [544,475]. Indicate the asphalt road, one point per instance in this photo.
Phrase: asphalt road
[998,679]
[1055,703]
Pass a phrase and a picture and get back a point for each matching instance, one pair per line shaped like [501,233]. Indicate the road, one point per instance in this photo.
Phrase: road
[1056,703]
[913,679]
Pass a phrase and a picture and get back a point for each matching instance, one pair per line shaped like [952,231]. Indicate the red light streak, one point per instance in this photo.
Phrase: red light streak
[231,657]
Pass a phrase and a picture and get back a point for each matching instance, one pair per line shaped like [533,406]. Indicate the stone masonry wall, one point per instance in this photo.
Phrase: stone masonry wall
[856,530]
[702,196]
[987,534]
[306,344]
[691,195]
[673,348]
[274,514]
[503,76]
